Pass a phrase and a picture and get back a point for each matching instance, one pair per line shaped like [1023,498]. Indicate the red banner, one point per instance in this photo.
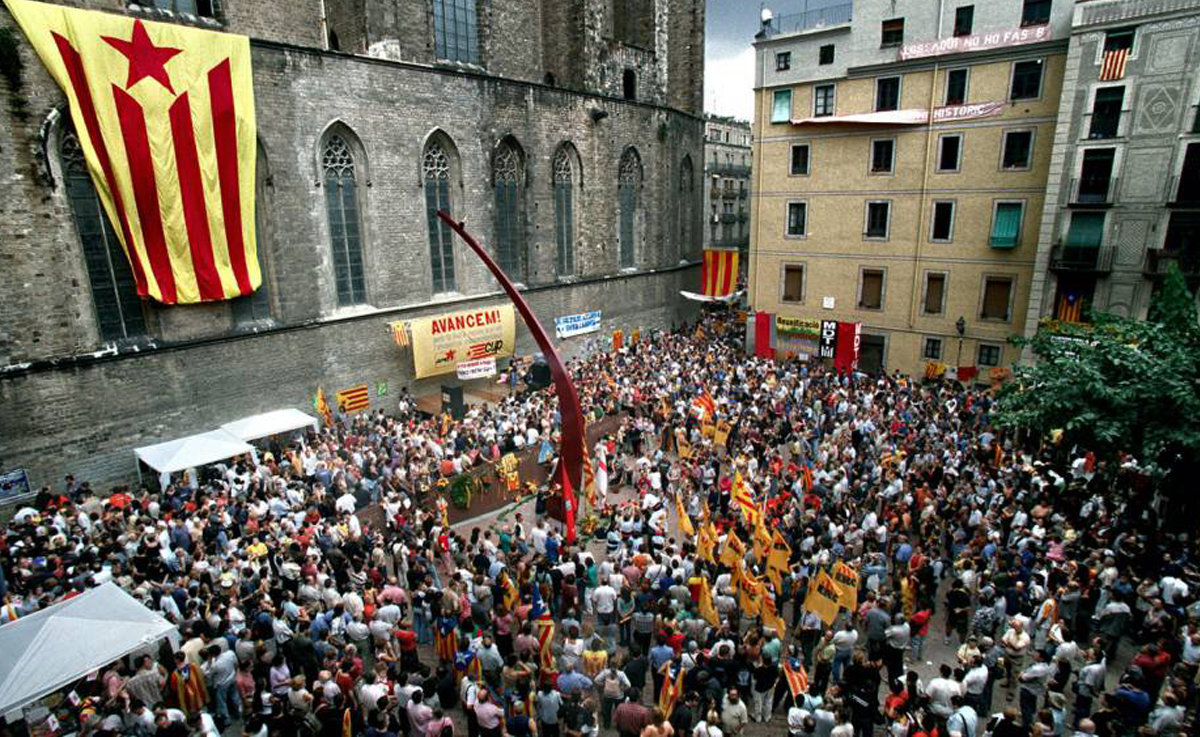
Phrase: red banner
[762,335]
[849,336]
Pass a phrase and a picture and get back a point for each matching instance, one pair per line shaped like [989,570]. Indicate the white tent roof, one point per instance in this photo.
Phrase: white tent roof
[47,650]
[192,451]
[269,423]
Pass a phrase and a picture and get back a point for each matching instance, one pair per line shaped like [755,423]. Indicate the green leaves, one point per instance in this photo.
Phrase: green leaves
[1117,384]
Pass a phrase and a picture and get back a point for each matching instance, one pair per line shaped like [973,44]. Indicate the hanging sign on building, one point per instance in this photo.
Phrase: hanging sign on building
[849,338]
[479,368]
[796,327]
[440,343]
[571,325]
[976,42]
[828,344]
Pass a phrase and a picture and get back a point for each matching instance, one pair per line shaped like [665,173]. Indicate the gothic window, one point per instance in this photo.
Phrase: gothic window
[256,306]
[564,217]
[456,30]
[629,184]
[435,170]
[687,185]
[510,227]
[345,222]
[119,311]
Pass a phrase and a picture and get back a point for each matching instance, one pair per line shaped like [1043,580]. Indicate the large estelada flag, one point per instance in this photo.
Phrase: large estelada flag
[165,117]
[719,276]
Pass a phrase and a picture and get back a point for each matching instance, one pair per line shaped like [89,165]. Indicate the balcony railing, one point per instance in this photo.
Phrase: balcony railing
[1093,192]
[743,194]
[1159,259]
[1183,191]
[1092,259]
[728,217]
[737,171]
[1105,125]
[819,18]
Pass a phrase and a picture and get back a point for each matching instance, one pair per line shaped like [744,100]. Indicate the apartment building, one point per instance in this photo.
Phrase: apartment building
[1123,197]
[902,151]
[727,183]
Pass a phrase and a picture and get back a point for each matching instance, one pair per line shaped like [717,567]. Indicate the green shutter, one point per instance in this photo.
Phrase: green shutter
[1006,226]
[782,111]
[1087,230]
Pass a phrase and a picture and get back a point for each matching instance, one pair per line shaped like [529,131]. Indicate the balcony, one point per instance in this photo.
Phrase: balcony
[729,217]
[1184,191]
[1093,192]
[1105,125]
[737,171]
[1159,259]
[743,193]
[1086,259]
[813,19]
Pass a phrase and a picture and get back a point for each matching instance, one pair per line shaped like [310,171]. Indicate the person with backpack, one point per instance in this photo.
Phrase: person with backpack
[613,683]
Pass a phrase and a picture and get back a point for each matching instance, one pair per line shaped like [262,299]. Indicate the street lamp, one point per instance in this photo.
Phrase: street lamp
[961,326]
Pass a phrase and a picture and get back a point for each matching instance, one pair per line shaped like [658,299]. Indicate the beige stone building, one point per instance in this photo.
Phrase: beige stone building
[864,211]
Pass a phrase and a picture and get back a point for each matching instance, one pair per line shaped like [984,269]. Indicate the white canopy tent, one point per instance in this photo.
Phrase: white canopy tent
[192,451]
[269,423]
[47,650]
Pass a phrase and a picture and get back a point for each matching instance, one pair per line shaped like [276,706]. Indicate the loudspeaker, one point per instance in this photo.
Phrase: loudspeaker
[539,374]
[452,401]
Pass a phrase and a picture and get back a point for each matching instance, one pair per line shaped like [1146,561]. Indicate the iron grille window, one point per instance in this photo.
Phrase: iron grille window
[435,165]
[345,225]
[119,311]
[456,31]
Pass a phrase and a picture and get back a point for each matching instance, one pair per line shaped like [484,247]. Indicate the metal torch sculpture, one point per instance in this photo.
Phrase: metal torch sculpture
[571,443]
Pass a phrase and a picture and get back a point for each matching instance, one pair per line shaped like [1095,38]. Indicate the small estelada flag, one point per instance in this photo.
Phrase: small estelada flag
[165,117]
[1113,66]
[355,398]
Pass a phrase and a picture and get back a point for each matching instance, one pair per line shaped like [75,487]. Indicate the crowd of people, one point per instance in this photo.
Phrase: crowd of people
[1003,588]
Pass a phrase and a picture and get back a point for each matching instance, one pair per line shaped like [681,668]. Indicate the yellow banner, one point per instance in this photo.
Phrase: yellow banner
[845,579]
[721,436]
[164,115]
[823,598]
[685,523]
[440,343]
[777,559]
[734,550]
[707,609]
[750,592]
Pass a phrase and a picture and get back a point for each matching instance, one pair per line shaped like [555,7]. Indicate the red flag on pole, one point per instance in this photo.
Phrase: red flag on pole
[568,495]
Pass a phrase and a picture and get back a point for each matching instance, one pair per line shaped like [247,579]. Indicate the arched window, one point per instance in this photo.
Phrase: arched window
[687,189]
[435,170]
[629,185]
[120,313]
[629,84]
[564,210]
[255,308]
[345,222]
[508,173]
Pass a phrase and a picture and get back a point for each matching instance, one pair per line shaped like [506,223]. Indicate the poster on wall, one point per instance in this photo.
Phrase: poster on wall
[480,368]
[440,343]
[14,485]
[569,326]
[796,327]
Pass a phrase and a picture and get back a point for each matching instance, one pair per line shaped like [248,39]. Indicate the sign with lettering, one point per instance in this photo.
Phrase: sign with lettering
[570,325]
[976,42]
[797,327]
[440,343]
[828,345]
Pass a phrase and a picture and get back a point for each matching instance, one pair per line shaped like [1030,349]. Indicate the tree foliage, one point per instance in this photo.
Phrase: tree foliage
[1116,385]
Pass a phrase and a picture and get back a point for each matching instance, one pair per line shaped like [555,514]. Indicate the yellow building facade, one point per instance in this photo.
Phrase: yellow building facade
[862,211]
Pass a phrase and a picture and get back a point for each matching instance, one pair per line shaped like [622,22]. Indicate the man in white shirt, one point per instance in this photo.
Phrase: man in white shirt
[604,600]
[941,690]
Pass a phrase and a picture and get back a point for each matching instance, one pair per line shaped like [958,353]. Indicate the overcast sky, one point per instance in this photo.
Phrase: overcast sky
[728,57]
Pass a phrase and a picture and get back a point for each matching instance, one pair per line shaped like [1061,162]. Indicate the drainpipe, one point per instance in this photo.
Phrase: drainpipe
[324,27]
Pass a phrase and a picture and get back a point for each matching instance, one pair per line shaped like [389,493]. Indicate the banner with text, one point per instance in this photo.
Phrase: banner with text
[975,42]
[796,327]
[571,325]
[849,338]
[440,343]
[480,368]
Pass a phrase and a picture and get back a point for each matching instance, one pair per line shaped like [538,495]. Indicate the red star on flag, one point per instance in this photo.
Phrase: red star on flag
[145,59]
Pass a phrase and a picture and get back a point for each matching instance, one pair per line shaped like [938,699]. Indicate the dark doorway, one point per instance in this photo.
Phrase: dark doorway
[870,354]
[629,84]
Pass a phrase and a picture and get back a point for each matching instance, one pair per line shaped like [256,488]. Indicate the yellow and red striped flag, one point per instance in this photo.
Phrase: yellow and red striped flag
[796,677]
[718,278]
[323,407]
[165,117]
[672,688]
[354,398]
[1113,66]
